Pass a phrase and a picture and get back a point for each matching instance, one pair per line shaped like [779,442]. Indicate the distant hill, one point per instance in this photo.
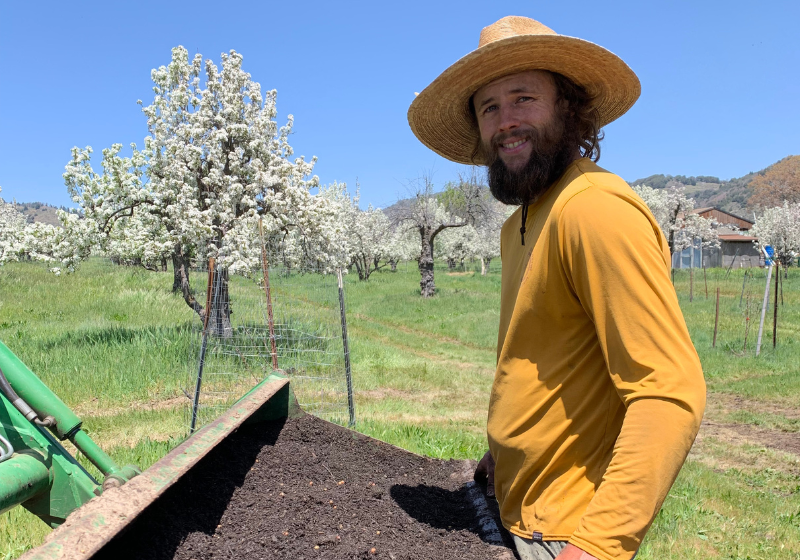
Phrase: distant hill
[40,212]
[732,196]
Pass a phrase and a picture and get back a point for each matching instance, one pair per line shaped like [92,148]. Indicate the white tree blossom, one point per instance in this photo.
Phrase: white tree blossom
[402,244]
[12,232]
[430,213]
[62,246]
[480,240]
[779,227]
[673,211]
[214,162]
[487,241]
[455,245]
[366,234]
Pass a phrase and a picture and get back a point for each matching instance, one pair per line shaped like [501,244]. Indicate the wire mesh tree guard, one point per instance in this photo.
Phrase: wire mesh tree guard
[285,319]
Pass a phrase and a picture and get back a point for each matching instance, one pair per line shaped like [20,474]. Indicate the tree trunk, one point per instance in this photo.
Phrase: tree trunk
[393,265]
[219,323]
[164,269]
[180,281]
[451,263]
[178,269]
[362,266]
[427,285]
[483,266]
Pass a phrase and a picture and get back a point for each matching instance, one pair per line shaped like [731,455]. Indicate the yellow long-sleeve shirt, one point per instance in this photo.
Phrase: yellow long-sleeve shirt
[598,393]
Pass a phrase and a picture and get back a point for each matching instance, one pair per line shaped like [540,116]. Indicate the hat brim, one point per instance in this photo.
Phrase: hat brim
[441,118]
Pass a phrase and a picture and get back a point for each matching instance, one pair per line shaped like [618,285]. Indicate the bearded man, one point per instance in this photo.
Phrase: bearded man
[598,393]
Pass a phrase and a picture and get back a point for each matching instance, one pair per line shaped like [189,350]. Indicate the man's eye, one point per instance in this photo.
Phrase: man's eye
[524,98]
[489,109]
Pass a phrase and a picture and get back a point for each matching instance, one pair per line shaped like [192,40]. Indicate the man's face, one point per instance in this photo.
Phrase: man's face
[509,111]
[527,137]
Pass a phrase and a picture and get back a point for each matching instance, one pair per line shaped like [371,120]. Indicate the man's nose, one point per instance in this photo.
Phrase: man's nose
[509,119]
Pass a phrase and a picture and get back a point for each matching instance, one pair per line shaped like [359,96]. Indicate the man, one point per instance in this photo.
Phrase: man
[598,393]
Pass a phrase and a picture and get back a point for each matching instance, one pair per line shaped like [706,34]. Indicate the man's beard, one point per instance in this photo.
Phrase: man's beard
[553,149]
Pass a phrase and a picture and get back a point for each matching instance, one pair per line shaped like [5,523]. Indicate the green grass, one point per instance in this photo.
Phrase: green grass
[727,513]
[114,343]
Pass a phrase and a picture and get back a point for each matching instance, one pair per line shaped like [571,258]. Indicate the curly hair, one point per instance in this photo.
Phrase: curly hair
[581,120]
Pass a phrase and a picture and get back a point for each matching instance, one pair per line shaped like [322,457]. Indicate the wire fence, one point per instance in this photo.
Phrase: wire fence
[724,308]
[290,321]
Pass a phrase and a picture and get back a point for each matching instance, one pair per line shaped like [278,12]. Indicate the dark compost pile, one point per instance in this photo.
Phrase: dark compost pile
[302,489]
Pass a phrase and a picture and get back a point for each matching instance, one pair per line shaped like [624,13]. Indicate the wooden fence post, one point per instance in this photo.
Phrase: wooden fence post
[775,315]
[746,322]
[268,295]
[744,280]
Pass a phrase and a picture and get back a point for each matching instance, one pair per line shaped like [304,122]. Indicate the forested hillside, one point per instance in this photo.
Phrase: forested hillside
[734,195]
[39,212]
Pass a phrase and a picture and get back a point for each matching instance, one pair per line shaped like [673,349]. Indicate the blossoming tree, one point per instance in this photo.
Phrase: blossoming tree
[402,245]
[779,227]
[487,241]
[430,213]
[455,245]
[674,212]
[12,232]
[213,164]
[365,233]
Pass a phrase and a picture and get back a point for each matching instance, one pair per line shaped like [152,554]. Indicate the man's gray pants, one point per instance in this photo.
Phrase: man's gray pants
[529,549]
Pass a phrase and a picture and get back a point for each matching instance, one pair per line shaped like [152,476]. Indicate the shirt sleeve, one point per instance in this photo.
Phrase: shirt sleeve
[615,259]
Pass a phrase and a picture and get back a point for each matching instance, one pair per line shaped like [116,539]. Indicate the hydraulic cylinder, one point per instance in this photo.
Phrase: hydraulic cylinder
[97,456]
[31,389]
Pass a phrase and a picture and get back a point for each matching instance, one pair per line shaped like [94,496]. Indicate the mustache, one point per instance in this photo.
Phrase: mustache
[552,149]
[521,133]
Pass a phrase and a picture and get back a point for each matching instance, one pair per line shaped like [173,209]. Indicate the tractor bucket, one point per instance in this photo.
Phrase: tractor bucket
[89,529]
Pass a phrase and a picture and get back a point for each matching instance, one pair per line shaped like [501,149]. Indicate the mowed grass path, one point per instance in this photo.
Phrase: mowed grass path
[113,343]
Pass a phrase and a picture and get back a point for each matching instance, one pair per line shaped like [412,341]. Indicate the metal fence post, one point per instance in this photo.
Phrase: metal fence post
[764,305]
[210,306]
[348,375]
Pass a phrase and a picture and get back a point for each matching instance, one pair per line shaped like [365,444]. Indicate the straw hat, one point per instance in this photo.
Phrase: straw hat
[440,115]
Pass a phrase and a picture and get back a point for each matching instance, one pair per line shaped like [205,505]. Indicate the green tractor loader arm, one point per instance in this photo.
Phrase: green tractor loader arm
[38,472]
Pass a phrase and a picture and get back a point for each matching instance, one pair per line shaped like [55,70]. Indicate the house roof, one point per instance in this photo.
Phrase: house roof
[718,209]
[736,238]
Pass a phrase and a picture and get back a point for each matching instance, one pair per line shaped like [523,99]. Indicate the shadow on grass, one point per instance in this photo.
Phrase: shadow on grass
[117,336]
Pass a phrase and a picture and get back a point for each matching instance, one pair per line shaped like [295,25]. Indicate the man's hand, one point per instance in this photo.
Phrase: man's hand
[485,471]
[572,552]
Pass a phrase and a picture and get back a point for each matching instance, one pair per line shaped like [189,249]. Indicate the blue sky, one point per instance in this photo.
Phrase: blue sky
[720,80]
